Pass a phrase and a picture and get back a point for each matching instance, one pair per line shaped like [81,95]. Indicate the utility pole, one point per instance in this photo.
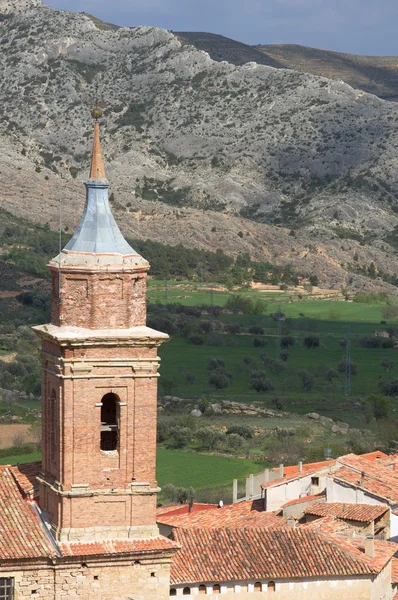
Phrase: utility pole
[278,335]
[348,362]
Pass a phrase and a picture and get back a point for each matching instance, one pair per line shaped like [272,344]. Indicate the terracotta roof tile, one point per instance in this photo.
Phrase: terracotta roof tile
[225,554]
[25,476]
[380,481]
[304,499]
[154,544]
[242,514]
[354,512]
[179,509]
[22,534]
[394,574]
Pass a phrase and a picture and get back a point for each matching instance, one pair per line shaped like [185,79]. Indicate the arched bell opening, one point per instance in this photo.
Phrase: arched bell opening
[109,422]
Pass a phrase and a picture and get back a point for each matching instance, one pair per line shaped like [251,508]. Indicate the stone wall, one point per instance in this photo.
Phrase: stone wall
[111,579]
[354,588]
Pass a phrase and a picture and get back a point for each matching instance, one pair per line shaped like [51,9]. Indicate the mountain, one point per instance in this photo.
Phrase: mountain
[287,166]
[373,74]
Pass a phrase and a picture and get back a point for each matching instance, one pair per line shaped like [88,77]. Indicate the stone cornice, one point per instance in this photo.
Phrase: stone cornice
[78,337]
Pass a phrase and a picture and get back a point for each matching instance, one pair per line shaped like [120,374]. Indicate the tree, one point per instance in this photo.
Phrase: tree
[387,364]
[34,432]
[284,355]
[307,380]
[209,437]
[215,363]
[219,379]
[235,441]
[181,436]
[162,431]
[259,342]
[342,367]
[331,374]
[244,431]
[256,330]
[287,341]
[311,341]
[380,406]
[314,280]
[260,382]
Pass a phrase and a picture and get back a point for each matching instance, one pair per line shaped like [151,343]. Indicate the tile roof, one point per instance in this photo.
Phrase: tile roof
[25,476]
[309,469]
[22,534]
[294,469]
[154,544]
[225,554]
[394,574]
[180,509]
[380,481]
[354,512]
[242,514]
[304,499]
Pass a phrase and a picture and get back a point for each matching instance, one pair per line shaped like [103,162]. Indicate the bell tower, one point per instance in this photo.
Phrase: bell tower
[99,381]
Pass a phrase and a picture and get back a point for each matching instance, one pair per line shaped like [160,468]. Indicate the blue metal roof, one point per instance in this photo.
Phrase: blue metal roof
[98,232]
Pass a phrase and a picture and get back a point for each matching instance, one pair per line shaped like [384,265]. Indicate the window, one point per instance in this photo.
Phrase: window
[271,586]
[173,592]
[216,589]
[202,589]
[109,422]
[186,591]
[6,588]
[315,480]
[257,586]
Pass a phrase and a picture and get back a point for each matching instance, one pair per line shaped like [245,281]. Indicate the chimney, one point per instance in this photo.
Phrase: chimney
[362,480]
[190,507]
[291,522]
[300,467]
[281,471]
[370,546]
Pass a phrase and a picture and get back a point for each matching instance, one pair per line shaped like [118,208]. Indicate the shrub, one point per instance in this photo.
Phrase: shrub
[287,341]
[235,441]
[256,330]
[260,382]
[233,328]
[277,366]
[331,374]
[284,354]
[307,380]
[215,363]
[371,342]
[195,339]
[277,402]
[311,341]
[162,431]
[390,388]
[259,342]
[380,406]
[243,431]
[341,367]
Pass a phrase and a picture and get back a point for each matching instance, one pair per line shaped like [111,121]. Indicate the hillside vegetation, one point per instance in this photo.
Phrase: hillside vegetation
[292,168]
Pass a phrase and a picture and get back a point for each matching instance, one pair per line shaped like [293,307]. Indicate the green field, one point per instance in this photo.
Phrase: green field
[184,469]
[184,370]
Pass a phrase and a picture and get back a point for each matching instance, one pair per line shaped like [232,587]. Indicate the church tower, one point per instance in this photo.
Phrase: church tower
[99,381]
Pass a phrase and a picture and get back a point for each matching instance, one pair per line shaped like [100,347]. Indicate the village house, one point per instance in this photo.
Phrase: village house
[242,551]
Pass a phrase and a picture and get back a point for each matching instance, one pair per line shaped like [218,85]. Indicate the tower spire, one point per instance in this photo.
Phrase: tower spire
[97,170]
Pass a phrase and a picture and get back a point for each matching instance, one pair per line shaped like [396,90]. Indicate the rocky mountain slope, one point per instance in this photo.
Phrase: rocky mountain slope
[373,74]
[285,165]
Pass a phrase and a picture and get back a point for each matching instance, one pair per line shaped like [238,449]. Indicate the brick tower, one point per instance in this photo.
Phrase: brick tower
[99,382]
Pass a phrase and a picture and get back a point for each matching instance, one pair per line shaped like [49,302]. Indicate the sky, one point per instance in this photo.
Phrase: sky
[354,26]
